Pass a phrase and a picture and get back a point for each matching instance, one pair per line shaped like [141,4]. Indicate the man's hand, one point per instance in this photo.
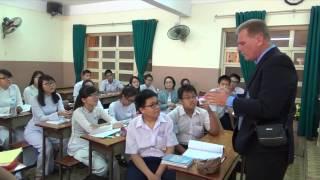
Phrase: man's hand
[218,97]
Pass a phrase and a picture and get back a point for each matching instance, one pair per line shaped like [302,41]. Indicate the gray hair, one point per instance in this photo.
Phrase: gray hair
[254,27]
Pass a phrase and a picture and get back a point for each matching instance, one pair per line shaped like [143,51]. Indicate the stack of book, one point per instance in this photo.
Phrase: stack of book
[177,160]
[203,150]
[8,159]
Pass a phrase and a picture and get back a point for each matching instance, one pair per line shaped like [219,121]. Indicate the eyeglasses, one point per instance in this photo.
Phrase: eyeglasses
[50,83]
[190,97]
[234,81]
[153,106]
[5,78]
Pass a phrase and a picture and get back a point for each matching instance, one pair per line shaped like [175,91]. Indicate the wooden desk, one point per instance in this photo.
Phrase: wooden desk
[12,122]
[56,131]
[103,145]
[232,158]
[108,98]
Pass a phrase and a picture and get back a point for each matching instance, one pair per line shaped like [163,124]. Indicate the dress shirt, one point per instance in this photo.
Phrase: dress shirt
[114,86]
[10,97]
[120,112]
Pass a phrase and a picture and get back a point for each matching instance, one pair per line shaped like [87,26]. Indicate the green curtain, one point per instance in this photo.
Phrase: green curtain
[143,35]
[79,36]
[248,67]
[308,122]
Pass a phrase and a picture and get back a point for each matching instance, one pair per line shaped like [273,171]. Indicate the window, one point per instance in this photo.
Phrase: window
[112,51]
[291,40]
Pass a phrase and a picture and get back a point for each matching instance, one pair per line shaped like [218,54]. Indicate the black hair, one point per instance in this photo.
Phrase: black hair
[147,76]
[172,79]
[235,76]
[130,82]
[84,92]
[41,94]
[86,71]
[186,88]
[86,81]
[224,77]
[143,96]
[129,91]
[35,73]
[184,79]
[107,71]
[6,73]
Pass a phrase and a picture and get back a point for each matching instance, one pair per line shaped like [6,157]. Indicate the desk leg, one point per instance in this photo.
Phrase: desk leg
[43,154]
[60,156]
[90,158]
[111,164]
[10,135]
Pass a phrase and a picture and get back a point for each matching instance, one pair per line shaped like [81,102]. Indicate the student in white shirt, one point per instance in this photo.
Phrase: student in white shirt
[191,121]
[32,89]
[149,137]
[124,109]
[148,79]
[109,84]
[234,88]
[85,75]
[84,121]
[134,82]
[10,98]
[89,82]
[47,105]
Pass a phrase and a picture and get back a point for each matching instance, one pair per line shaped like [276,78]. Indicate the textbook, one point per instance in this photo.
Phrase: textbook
[8,158]
[177,160]
[105,133]
[203,150]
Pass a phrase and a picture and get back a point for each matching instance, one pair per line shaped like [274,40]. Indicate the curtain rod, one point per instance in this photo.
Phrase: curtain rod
[271,12]
[110,24]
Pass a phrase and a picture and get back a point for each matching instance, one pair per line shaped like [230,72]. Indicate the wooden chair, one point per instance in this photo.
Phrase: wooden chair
[69,163]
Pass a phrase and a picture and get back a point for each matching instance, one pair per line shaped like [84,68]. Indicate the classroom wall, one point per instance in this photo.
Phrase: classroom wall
[45,39]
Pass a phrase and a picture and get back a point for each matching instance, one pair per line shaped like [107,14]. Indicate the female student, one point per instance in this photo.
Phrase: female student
[149,137]
[134,82]
[85,120]
[47,105]
[148,79]
[10,99]
[169,96]
[32,89]
[89,82]
[124,108]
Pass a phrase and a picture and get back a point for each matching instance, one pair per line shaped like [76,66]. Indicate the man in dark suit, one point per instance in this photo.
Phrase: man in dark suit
[269,99]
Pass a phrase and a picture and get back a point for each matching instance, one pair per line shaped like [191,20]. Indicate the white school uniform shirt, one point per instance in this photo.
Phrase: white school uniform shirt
[44,113]
[144,86]
[29,92]
[114,86]
[148,142]
[82,120]
[76,89]
[189,128]
[120,112]
[237,90]
[10,97]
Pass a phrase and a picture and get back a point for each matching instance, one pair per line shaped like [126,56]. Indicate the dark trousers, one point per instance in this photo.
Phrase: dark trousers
[153,163]
[266,165]
[226,122]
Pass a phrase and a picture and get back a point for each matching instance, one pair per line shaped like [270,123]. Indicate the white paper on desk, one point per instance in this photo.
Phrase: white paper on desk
[203,150]
[4,111]
[4,114]
[106,133]
[56,122]
[26,107]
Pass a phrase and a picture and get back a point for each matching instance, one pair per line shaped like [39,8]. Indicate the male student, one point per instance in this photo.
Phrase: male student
[191,121]
[85,75]
[109,84]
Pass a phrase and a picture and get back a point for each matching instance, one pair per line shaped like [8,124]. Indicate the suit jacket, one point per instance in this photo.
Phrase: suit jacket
[272,91]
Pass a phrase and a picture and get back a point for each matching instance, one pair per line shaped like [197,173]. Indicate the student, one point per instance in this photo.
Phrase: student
[124,108]
[148,79]
[89,82]
[110,84]
[190,121]
[234,88]
[10,102]
[85,120]
[169,96]
[222,112]
[134,82]
[184,81]
[149,137]
[32,89]
[85,75]
[47,105]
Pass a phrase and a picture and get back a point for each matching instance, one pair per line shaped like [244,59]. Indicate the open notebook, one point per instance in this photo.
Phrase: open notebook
[104,131]
[203,150]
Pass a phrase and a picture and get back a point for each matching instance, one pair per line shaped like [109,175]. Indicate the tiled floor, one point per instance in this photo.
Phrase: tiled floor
[305,167]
